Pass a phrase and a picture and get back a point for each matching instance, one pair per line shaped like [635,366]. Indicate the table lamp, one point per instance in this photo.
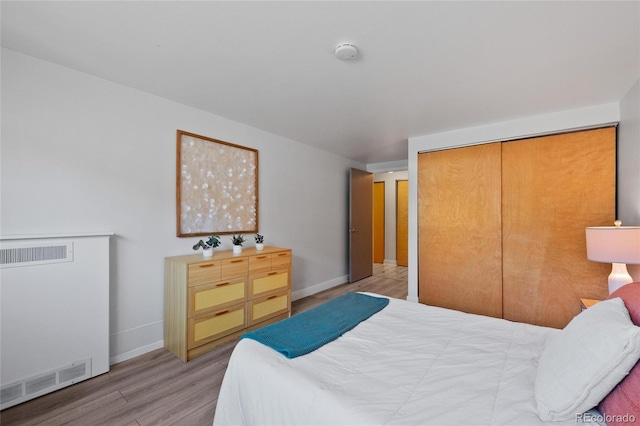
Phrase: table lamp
[618,245]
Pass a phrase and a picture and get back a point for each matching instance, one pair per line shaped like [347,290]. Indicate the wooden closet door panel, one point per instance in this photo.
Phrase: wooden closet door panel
[552,188]
[402,223]
[459,224]
[378,222]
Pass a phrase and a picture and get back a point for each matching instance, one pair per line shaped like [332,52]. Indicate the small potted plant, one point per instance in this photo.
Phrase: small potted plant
[259,242]
[207,247]
[237,243]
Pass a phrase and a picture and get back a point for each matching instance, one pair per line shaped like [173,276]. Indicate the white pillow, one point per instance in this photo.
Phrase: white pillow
[580,365]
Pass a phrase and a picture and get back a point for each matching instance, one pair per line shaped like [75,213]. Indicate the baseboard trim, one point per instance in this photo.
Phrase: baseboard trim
[127,344]
[310,291]
[136,352]
[390,262]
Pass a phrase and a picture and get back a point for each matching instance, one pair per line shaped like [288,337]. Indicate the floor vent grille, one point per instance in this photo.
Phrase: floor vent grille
[41,384]
[11,393]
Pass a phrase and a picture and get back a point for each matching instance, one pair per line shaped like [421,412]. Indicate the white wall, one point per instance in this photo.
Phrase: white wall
[83,154]
[389,179]
[629,163]
[506,130]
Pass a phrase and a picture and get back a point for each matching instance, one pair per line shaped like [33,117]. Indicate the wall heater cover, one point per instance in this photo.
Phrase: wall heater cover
[54,313]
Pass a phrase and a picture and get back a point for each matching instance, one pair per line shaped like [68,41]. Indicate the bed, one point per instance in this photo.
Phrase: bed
[416,364]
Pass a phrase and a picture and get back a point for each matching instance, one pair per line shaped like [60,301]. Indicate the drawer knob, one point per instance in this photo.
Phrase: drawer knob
[272,273]
[222,312]
[272,297]
[222,284]
[237,261]
[261,257]
[206,265]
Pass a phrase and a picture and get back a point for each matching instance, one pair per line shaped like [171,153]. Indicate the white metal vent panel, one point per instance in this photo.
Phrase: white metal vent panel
[11,394]
[30,253]
[42,384]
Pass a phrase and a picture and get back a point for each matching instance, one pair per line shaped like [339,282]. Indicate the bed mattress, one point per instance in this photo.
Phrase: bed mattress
[407,364]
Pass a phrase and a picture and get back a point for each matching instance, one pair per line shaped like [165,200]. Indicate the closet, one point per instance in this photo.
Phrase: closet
[501,225]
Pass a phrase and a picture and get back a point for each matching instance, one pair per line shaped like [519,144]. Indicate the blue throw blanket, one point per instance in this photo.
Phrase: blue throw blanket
[309,330]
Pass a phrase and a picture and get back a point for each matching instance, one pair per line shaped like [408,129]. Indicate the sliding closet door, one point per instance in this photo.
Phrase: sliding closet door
[459,233]
[552,188]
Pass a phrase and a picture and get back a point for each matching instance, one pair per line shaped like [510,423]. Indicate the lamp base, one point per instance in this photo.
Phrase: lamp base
[618,277]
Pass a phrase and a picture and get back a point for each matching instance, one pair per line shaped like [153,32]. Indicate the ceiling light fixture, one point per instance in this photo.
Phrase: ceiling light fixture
[346,51]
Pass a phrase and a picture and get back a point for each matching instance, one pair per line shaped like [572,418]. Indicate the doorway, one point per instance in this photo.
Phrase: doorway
[386,231]
[368,190]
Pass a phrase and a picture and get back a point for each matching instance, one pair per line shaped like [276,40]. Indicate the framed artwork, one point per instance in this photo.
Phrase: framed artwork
[216,188]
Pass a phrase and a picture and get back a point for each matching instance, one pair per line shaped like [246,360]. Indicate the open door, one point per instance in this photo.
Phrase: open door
[360,225]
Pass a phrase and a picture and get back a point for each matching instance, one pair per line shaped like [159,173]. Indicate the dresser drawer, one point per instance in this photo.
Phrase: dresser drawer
[265,283]
[211,297]
[268,307]
[281,259]
[259,263]
[206,272]
[235,267]
[210,327]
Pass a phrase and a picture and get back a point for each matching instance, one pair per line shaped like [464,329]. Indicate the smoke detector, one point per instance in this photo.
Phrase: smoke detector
[346,51]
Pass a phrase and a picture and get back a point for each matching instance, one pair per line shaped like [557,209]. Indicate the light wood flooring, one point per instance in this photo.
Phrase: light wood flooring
[157,388]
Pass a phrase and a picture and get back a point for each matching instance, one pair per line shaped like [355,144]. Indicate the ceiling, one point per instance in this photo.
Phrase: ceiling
[425,66]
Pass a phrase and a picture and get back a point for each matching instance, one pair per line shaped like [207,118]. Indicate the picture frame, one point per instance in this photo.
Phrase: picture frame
[216,186]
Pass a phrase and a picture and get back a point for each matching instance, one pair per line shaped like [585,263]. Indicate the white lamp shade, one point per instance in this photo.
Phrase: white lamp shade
[614,244]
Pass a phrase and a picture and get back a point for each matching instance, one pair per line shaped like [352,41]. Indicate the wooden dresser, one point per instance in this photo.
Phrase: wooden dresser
[209,302]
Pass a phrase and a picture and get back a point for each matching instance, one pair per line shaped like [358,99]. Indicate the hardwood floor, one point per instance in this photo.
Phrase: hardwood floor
[157,388]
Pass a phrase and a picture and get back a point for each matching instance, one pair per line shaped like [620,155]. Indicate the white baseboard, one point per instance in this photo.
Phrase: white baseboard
[310,291]
[413,299]
[127,344]
[136,352]
[390,262]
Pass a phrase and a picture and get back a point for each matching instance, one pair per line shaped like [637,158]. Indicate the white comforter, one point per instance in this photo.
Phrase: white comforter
[407,364]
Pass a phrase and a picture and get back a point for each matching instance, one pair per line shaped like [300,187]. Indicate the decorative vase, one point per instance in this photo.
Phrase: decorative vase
[208,252]
[237,249]
[259,246]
